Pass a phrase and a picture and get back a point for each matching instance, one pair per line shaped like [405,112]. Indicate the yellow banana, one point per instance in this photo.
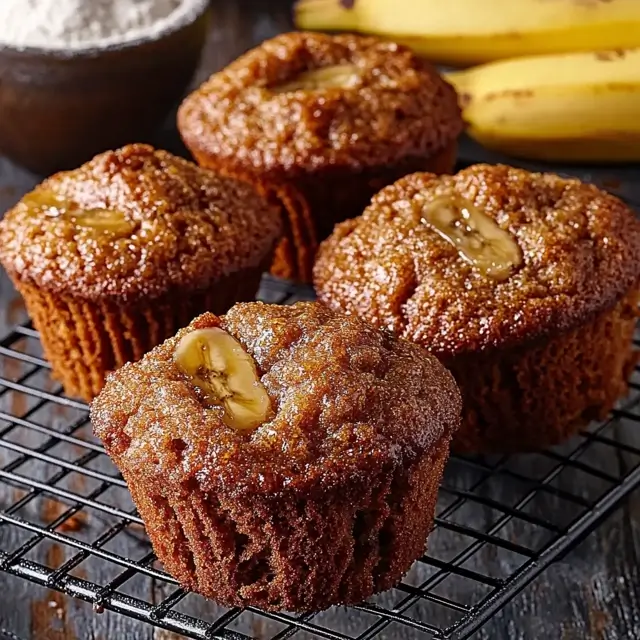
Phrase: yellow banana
[579,107]
[467,32]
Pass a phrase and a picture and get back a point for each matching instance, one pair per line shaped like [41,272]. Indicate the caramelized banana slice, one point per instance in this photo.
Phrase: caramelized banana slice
[102,220]
[476,236]
[340,76]
[54,206]
[225,375]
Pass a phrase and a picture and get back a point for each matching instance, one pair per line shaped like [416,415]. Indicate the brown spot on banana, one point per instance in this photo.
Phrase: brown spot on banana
[610,56]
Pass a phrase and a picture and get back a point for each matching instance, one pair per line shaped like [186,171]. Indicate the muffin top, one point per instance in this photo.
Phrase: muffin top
[490,257]
[135,223]
[342,399]
[303,102]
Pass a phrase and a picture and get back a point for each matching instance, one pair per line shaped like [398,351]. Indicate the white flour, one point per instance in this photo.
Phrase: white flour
[79,24]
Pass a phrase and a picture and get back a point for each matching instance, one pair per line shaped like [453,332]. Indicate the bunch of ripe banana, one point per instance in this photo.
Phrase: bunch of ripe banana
[557,79]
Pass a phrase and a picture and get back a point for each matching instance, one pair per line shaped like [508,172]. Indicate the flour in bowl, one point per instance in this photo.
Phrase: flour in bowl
[82,24]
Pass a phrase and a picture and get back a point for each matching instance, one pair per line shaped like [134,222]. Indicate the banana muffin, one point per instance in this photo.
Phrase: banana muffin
[333,118]
[282,457]
[525,285]
[114,257]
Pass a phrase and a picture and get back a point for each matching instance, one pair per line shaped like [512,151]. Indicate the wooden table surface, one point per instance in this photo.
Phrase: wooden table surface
[592,594]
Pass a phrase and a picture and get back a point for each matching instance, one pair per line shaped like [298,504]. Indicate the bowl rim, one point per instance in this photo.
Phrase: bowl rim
[199,9]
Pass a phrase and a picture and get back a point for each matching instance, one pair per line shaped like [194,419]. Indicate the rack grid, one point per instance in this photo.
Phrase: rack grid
[70,525]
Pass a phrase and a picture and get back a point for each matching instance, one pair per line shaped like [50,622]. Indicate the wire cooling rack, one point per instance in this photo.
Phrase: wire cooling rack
[67,521]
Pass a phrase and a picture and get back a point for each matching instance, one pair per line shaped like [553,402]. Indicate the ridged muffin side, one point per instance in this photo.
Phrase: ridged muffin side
[292,553]
[113,257]
[537,395]
[84,340]
[328,501]
[537,352]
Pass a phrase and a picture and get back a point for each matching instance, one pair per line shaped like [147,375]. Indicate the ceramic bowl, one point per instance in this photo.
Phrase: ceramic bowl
[60,108]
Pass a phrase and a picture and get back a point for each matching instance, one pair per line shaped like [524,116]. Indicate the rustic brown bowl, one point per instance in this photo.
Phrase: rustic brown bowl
[60,108]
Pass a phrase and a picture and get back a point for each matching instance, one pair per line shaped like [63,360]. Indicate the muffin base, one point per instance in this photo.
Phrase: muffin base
[84,340]
[314,204]
[530,398]
[293,553]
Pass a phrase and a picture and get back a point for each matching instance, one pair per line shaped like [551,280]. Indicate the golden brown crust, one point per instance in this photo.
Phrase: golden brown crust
[400,108]
[580,246]
[348,399]
[188,228]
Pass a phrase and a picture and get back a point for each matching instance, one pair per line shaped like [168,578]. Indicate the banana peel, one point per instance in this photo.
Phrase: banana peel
[469,32]
[580,107]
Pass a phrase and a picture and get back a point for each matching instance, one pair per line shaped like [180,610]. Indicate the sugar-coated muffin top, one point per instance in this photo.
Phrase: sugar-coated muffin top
[567,250]
[345,399]
[135,223]
[373,103]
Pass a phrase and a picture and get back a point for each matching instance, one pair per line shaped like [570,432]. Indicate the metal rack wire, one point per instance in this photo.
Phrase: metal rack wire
[67,497]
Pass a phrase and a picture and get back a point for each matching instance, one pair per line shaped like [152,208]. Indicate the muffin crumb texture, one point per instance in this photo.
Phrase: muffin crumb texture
[133,224]
[327,502]
[339,391]
[580,255]
[302,102]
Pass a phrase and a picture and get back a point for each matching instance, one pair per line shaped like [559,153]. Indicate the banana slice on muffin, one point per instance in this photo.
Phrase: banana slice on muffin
[226,376]
[478,239]
[51,205]
[337,76]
